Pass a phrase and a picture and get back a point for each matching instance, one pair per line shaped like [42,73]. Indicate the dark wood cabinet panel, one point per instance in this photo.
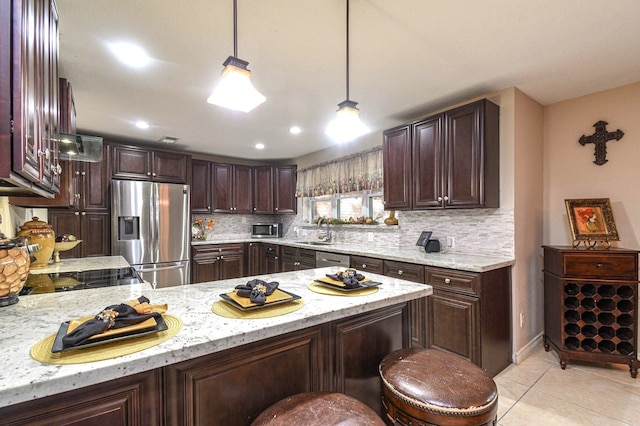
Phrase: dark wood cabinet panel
[233,387]
[256,261]
[369,264]
[590,305]
[449,160]
[272,258]
[396,159]
[201,187]
[29,119]
[130,401]
[217,262]
[232,188]
[404,271]
[285,190]
[454,324]
[263,190]
[129,162]
[93,228]
[296,259]
[243,189]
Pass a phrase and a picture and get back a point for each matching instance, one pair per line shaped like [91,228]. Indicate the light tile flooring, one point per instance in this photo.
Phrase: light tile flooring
[538,392]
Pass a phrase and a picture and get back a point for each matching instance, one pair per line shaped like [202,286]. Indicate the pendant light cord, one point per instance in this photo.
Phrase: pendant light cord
[347,50]
[235,28]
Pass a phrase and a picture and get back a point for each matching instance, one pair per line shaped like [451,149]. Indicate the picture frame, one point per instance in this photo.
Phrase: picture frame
[591,220]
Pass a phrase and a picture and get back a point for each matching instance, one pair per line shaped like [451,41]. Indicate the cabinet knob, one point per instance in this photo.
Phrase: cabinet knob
[83,173]
[446,198]
[400,272]
[447,280]
[76,213]
[439,198]
[153,174]
[77,173]
[276,258]
[276,209]
[364,266]
[83,213]
[148,173]
[599,265]
[254,209]
[221,257]
[58,168]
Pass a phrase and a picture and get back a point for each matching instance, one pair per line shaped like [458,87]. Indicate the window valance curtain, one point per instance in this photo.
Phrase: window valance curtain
[354,172]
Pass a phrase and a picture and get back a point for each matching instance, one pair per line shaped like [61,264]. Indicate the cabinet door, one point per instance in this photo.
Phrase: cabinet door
[453,323]
[256,264]
[67,222]
[222,188]
[396,158]
[231,266]
[242,190]
[285,190]
[201,187]
[405,271]
[93,184]
[204,269]
[130,163]
[169,167]
[272,258]
[427,163]
[263,190]
[95,232]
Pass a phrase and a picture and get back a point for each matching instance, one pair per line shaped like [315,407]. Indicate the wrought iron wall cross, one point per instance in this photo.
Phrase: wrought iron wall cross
[600,139]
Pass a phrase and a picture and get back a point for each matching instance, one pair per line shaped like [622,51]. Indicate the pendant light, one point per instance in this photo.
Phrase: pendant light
[347,125]
[235,90]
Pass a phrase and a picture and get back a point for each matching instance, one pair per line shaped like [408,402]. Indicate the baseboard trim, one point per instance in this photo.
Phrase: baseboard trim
[528,349]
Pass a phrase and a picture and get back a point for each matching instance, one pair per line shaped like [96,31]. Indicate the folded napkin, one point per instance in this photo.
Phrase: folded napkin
[257,290]
[349,277]
[114,316]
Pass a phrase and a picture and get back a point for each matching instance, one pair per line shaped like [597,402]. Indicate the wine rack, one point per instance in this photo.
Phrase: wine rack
[590,305]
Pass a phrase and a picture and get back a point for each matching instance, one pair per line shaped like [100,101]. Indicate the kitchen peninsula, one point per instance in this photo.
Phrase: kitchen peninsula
[216,370]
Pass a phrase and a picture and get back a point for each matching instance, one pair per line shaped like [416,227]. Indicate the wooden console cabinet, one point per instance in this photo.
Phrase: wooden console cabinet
[590,305]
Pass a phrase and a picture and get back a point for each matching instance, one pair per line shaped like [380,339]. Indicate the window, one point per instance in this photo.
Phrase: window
[349,205]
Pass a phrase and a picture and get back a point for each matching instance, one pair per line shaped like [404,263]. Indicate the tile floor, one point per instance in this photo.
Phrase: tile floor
[537,392]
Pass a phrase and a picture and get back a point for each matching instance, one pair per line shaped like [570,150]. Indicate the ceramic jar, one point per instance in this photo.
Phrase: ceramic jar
[39,232]
[14,269]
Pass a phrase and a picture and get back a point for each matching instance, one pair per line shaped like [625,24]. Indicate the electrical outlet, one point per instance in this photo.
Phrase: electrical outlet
[521,319]
[370,236]
[244,219]
[450,242]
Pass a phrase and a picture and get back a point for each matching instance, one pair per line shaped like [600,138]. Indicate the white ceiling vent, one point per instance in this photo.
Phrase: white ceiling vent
[169,139]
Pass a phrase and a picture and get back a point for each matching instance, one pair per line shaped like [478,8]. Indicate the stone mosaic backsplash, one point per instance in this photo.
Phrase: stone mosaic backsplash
[474,231]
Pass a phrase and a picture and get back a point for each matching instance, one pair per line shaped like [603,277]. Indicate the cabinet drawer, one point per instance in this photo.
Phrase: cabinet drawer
[405,271]
[370,264]
[214,250]
[602,266]
[455,281]
[289,252]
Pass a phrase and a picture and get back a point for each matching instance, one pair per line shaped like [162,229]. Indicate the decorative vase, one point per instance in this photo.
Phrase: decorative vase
[41,233]
[14,269]
[391,220]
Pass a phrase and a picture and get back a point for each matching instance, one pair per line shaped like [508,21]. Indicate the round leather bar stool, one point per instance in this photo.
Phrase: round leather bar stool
[437,388]
[318,409]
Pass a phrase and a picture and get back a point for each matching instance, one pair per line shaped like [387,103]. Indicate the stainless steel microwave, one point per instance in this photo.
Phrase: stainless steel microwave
[266,230]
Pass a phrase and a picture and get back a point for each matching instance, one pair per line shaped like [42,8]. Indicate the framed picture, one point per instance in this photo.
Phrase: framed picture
[591,220]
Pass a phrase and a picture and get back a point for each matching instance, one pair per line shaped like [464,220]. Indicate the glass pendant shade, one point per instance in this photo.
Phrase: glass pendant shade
[347,125]
[235,91]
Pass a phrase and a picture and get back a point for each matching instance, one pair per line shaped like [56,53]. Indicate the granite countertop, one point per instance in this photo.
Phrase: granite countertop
[417,255]
[35,317]
[82,264]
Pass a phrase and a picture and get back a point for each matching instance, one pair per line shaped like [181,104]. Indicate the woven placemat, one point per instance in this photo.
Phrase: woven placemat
[41,351]
[226,310]
[317,288]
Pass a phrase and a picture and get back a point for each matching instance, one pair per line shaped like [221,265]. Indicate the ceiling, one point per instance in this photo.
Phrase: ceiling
[408,57]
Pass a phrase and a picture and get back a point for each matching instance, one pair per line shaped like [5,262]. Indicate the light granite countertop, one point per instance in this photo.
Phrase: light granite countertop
[417,255]
[35,317]
[82,264]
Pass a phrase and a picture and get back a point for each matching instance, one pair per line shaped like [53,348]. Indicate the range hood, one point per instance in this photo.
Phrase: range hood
[80,148]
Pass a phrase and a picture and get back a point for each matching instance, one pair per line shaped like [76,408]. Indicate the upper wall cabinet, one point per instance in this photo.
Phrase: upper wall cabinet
[232,188]
[263,190]
[29,97]
[201,188]
[449,160]
[129,162]
[285,190]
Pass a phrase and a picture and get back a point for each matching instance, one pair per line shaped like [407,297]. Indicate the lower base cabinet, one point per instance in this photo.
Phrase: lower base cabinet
[93,228]
[217,262]
[234,386]
[131,401]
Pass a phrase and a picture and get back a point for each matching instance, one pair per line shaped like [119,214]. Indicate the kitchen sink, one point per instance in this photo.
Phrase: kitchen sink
[316,243]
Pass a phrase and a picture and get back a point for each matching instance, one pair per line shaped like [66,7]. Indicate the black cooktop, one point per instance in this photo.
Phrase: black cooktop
[67,281]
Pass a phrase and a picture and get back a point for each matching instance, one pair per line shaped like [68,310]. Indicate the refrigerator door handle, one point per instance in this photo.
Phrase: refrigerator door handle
[163,268]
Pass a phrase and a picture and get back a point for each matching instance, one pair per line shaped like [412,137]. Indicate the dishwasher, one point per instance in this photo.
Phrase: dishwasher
[332,259]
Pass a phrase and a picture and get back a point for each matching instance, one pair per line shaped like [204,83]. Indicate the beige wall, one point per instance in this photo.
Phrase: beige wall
[569,171]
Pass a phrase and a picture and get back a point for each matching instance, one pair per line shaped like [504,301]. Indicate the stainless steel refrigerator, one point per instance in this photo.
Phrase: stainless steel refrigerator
[150,225]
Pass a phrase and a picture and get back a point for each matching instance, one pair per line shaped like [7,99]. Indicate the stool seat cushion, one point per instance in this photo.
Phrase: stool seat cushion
[438,382]
[318,408]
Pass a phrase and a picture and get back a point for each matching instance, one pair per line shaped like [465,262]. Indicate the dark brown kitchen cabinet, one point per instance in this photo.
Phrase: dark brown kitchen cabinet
[232,188]
[296,259]
[201,187]
[263,190]
[272,254]
[217,262]
[29,119]
[469,314]
[285,190]
[367,264]
[129,162]
[256,262]
[129,401]
[590,305]
[93,228]
[449,160]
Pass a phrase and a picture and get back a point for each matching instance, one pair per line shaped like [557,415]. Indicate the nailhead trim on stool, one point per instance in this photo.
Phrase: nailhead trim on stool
[318,409]
[437,387]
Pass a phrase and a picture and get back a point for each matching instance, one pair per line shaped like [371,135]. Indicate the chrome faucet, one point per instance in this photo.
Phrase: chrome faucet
[324,234]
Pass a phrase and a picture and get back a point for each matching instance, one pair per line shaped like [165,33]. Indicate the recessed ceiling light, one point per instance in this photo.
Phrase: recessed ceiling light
[259,146]
[295,130]
[130,54]
[142,125]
